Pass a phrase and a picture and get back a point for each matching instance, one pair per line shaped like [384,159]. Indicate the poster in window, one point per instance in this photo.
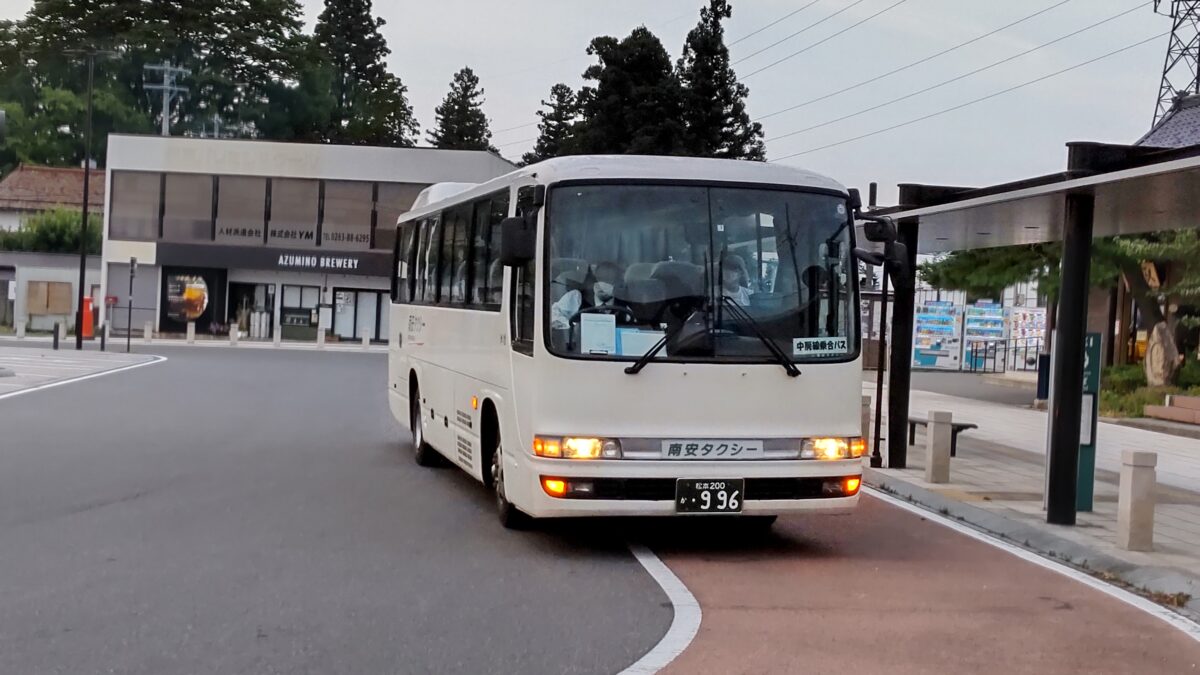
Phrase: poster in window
[187,297]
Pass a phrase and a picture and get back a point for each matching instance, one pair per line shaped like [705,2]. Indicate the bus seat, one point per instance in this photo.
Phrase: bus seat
[639,271]
[644,297]
[570,280]
[681,278]
[559,266]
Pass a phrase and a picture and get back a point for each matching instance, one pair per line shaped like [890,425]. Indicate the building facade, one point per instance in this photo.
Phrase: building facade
[30,189]
[261,237]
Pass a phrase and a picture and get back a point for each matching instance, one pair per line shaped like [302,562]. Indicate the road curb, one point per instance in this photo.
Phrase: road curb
[1146,579]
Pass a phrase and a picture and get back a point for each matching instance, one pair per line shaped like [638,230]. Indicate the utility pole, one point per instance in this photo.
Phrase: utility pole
[91,55]
[1181,69]
[170,90]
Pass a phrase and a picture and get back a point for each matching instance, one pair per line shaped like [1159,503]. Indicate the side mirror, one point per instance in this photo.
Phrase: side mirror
[869,257]
[879,229]
[518,241]
[855,200]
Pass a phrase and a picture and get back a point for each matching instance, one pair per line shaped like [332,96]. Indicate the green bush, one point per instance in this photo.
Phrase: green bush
[1189,375]
[1131,403]
[1123,379]
[55,231]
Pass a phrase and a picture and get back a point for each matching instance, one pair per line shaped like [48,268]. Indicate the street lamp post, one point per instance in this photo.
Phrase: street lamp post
[83,227]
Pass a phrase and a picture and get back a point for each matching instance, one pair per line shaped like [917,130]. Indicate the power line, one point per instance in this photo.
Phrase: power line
[821,42]
[959,77]
[519,126]
[927,59]
[776,21]
[523,140]
[802,30]
[973,102]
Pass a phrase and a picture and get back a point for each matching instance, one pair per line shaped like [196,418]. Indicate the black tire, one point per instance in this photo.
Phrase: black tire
[423,452]
[510,516]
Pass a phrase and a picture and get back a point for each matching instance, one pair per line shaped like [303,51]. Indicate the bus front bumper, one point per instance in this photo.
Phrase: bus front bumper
[648,488]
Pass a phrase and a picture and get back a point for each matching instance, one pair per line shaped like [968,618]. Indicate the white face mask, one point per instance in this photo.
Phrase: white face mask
[603,291]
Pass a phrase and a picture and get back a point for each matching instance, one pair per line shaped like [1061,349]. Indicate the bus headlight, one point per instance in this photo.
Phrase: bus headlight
[577,447]
[833,448]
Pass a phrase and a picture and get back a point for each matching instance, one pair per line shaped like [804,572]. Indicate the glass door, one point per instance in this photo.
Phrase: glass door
[368,308]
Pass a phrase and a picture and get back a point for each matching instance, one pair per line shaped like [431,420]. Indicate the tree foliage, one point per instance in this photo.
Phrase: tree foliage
[714,101]
[635,105]
[557,128]
[54,231]
[460,121]
[370,104]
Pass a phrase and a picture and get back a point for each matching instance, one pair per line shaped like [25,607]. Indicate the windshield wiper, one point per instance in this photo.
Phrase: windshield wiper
[662,342]
[742,316]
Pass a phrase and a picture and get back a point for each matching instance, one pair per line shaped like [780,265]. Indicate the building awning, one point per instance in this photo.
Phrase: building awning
[1136,191]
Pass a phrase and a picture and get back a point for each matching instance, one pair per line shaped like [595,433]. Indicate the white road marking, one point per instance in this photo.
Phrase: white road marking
[70,380]
[1178,621]
[684,624]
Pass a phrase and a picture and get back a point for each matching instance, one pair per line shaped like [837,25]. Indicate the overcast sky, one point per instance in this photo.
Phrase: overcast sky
[519,48]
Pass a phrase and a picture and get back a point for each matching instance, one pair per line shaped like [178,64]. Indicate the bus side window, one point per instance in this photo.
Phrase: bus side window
[429,277]
[400,263]
[524,283]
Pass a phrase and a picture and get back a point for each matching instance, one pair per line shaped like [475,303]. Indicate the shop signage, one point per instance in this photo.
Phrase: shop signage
[358,263]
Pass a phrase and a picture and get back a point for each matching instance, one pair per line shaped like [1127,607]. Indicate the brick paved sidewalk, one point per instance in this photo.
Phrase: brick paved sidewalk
[999,486]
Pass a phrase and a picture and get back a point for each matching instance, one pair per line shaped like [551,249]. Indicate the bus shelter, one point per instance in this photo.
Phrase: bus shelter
[1106,190]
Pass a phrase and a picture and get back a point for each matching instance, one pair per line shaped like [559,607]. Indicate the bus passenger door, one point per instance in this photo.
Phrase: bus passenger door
[522,295]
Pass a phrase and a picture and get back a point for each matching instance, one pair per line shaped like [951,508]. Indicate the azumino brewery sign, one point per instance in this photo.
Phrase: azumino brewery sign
[358,263]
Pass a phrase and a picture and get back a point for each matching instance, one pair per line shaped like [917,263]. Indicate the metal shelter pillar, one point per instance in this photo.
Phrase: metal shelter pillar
[900,376]
[1067,383]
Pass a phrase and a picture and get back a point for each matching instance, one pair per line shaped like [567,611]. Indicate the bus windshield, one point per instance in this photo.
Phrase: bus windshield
[716,271]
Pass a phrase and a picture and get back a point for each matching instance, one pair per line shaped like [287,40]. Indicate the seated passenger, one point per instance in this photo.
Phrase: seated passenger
[735,282]
[605,277]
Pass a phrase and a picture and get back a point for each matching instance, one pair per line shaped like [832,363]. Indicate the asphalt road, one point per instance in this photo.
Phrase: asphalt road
[253,512]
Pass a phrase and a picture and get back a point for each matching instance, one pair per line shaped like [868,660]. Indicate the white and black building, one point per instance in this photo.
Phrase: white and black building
[260,236]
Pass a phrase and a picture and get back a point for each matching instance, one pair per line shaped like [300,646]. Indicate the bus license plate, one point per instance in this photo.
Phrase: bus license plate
[709,496]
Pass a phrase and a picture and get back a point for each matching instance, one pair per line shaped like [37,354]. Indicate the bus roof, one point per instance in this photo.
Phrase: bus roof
[633,167]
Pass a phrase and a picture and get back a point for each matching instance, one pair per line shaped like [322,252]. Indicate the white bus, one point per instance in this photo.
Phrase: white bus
[605,336]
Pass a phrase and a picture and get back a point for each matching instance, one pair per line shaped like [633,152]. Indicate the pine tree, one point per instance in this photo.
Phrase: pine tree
[370,104]
[556,131]
[461,124]
[635,106]
[714,101]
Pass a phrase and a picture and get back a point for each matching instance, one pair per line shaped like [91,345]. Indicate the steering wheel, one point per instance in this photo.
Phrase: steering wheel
[621,309]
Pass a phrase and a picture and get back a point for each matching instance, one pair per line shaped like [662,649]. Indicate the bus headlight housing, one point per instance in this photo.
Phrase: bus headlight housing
[576,447]
[833,448]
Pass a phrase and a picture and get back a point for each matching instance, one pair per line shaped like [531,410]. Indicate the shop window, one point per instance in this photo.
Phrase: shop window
[134,210]
[346,224]
[188,207]
[293,221]
[241,210]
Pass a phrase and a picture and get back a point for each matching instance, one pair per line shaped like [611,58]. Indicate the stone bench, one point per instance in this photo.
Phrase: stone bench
[956,428]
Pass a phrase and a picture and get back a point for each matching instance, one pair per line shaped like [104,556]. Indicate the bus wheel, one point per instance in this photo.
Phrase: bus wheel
[422,451]
[510,516]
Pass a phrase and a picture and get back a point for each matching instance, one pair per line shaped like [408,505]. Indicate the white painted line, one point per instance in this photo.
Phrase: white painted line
[684,624]
[71,380]
[1178,621]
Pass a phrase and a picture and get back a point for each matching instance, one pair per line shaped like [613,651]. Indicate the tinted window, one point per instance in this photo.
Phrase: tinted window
[488,272]
[241,210]
[459,265]
[293,213]
[347,216]
[393,201]
[134,212]
[188,207]
[403,263]
[429,272]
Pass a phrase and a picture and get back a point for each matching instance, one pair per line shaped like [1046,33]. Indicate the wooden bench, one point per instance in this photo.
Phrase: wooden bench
[956,428]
